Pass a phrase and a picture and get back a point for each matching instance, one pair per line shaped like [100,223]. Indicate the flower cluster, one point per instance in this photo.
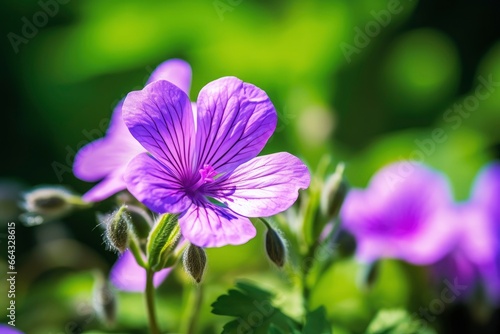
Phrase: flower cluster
[408,213]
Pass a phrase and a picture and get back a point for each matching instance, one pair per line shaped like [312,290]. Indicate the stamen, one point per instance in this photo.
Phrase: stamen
[207,174]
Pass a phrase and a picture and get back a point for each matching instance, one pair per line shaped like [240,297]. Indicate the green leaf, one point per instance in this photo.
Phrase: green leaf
[162,241]
[396,321]
[350,304]
[253,310]
[316,322]
[274,330]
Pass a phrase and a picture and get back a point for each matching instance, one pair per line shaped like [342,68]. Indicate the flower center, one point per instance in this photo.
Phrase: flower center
[207,174]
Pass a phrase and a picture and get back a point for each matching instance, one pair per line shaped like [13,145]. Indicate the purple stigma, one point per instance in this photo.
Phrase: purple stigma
[207,174]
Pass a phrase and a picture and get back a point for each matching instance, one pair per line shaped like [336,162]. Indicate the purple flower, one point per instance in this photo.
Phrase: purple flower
[486,191]
[127,275]
[404,213]
[106,158]
[202,161]
[7,329]
[475,258]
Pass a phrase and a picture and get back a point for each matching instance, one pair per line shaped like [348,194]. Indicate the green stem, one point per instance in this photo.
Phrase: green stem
[136,251]
[305,272]
[150,303]
[196,301]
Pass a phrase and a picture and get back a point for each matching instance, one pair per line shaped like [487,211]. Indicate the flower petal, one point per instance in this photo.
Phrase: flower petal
[207,225]
[154,184]
[406,213]
[8,329]
[127,275]
[486,189]
[176,71]
[430,244]
[103,156]
[160,118]
[263,186]
[235,120]
[480,241]
[112,184]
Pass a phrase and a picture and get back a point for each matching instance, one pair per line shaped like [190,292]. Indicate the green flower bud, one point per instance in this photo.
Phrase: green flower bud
[275,248]
[47,203]
[162,241]
[195,261]
[117,229]
[333,193]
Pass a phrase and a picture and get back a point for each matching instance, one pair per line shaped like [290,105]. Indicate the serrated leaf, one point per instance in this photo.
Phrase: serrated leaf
[253,309]
[396,321]
[316,322]
[231,327]
[162,240]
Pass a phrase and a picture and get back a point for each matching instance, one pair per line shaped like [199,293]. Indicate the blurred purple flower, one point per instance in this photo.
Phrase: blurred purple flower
[7,329]
[127,275]
[475,258]
[486,191]
[106,158]
[404,214]
[202,160]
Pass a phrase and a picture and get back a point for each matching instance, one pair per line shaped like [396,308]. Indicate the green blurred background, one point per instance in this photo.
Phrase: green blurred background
[367,82]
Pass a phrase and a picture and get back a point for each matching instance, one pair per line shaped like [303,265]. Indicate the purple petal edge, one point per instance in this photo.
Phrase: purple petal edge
[127,275]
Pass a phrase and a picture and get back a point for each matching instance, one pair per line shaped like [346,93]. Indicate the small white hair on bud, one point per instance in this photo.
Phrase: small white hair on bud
[117,229]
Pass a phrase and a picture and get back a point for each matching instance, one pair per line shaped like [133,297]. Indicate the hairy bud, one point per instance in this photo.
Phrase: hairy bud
[195,261]
[275,248]
[47,203]
[117,229]
[333,193]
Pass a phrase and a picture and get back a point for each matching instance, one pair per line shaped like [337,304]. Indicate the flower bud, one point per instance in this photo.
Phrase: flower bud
[333,193]
[162,240]
[195,261]
[275,248]
[49,203]
[104,301]
[117,229]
